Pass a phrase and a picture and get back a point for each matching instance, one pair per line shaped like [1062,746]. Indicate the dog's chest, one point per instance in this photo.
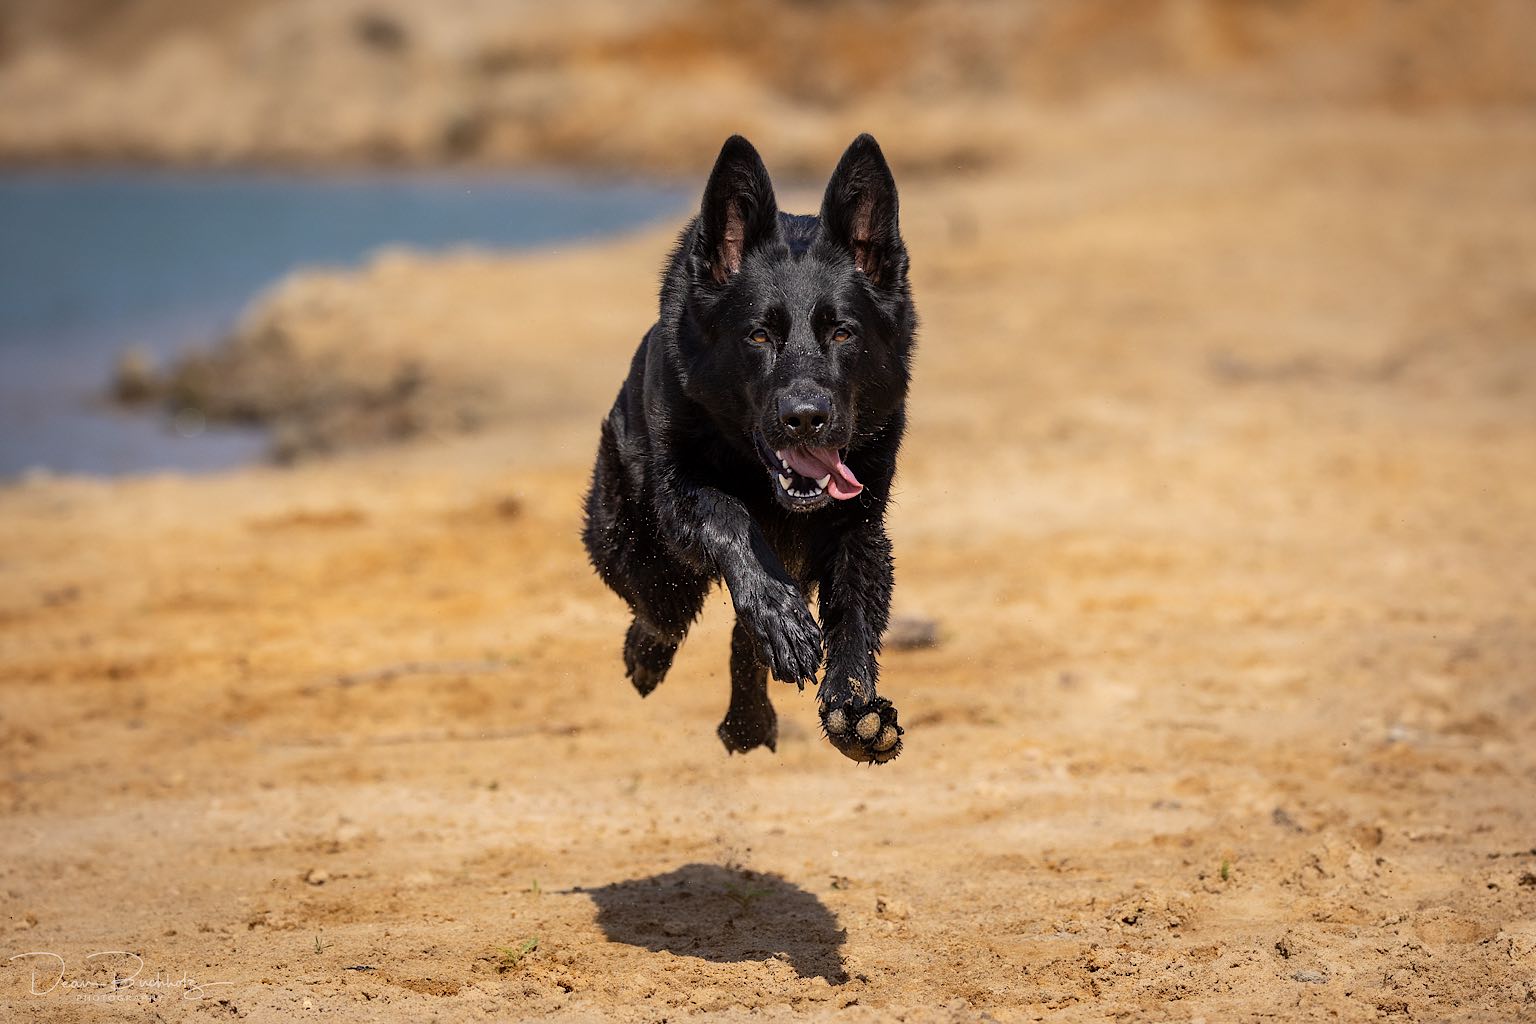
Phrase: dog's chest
[793,542]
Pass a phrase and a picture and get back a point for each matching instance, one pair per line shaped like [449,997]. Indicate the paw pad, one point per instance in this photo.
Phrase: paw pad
[864,732]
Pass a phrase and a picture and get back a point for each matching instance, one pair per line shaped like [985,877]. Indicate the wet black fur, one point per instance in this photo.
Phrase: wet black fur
[685,493]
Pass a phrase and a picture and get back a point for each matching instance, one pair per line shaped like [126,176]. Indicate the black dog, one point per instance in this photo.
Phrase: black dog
[754,442]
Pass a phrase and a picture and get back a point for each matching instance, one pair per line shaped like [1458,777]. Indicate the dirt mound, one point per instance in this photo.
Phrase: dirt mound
[320,364]
[471,345]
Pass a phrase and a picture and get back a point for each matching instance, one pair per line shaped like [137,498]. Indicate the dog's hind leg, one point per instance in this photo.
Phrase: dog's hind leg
[749,721]
[665,597]
[620,538]
[665,604]
[647,656]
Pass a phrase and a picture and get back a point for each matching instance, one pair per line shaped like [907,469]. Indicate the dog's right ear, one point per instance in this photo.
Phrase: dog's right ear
[738,214]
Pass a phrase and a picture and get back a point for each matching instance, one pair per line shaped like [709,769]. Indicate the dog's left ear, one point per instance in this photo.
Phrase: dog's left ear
[859,213]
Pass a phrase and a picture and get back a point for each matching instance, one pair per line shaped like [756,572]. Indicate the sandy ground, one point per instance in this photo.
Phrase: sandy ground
[1221,488]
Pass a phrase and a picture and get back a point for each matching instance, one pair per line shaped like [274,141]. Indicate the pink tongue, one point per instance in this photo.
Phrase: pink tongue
[816,463]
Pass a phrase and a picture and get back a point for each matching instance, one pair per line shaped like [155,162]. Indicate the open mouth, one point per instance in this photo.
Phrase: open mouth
[809,477]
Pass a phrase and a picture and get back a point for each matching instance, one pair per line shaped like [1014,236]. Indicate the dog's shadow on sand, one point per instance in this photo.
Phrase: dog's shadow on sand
[725,915]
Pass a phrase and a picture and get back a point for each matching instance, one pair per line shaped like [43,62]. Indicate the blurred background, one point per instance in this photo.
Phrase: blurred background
[651,86]
[166,160]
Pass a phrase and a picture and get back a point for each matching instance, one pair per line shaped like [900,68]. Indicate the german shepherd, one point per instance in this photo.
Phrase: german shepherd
[754,442]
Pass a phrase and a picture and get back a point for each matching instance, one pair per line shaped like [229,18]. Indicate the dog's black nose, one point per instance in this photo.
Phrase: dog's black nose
[804,418]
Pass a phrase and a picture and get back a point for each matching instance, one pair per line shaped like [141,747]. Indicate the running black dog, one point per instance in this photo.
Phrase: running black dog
[754,442]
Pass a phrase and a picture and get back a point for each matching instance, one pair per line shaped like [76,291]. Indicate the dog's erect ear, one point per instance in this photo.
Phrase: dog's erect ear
[860,213]
[739,210]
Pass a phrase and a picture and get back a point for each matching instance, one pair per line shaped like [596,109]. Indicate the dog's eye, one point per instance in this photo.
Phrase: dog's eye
[758,337]
[842,334]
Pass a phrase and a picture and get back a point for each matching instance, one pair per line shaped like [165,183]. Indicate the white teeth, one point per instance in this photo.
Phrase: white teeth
[784,463]
[788,483]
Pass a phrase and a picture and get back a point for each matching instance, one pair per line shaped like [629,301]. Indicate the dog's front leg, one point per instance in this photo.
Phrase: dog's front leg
[855,607]
[717,531]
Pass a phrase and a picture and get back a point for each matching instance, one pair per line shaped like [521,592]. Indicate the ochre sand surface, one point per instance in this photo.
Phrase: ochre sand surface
[1221,486]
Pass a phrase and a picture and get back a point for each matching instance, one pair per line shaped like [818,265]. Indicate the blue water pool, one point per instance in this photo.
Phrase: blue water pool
[95,263]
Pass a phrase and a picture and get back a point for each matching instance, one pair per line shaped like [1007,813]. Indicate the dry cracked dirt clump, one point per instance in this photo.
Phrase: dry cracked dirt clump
[1221,489]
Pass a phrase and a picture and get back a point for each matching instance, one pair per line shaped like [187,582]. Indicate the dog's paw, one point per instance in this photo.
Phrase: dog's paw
[863,731]
[647,658]
[787,636]
[742,731]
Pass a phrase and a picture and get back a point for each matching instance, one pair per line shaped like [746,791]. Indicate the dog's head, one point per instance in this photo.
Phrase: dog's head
[798,329]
